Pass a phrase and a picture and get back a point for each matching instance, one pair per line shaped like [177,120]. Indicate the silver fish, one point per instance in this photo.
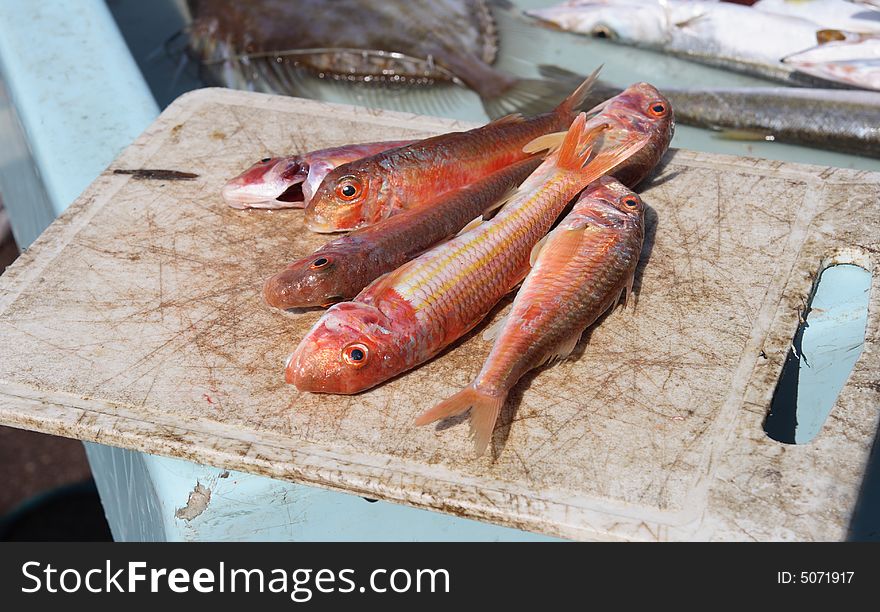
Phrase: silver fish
[716,33]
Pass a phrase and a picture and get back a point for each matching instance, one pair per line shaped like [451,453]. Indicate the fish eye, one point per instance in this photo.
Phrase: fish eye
[319,263]
[355,354]
[603,31]
[657,109]
[631,202]
[348,188]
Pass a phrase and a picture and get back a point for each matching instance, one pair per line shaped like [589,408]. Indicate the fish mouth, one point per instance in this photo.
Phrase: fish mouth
[319,225]
[286,197]
[284,290]
[294,193]
[280,186]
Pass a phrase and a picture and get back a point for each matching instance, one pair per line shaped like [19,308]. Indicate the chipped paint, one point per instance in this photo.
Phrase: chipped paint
[196,503]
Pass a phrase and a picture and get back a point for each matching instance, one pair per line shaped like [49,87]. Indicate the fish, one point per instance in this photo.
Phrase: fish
[831,14]
[836,119]
[579,271]
[409,315]
[340,269]
[271,45]
[854,61]
[719,34]
[290,182]
[842,120]
[366,191]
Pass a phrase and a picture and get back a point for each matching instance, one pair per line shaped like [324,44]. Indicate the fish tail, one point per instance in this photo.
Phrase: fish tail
[485,409]
[576,150]
[534,96]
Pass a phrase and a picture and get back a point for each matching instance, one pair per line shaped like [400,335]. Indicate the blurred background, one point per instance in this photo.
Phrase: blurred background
[48,492]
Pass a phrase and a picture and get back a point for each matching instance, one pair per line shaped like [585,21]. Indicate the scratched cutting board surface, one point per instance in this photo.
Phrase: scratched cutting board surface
[136,321]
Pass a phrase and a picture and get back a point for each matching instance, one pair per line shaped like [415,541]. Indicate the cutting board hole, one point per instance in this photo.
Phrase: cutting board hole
[823,352]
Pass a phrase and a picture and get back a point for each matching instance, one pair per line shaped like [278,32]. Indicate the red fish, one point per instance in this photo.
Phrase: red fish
[371,189]
[579,271]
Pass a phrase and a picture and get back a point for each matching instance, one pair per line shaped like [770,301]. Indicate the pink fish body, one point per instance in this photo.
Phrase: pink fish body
[409,315]
[290,182]
[580,270]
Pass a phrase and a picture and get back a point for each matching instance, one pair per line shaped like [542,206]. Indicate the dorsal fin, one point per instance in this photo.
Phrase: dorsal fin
[549,142]
[508,120]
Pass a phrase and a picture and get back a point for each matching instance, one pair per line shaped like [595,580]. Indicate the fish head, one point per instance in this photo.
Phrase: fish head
[610,204]
[316,280]
[642,108]
[350,349]
[273,182]
[350,197]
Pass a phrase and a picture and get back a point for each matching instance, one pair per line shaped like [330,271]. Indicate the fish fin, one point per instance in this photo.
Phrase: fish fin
[599,93]
[533,256]
[628,292]
[687,22]
[549,142]
[471,225]
[501,201]
[511,119]
[491,332]
[565,348]
[559,246]
[535,96]
[575,152]
[484,413]
[576,99]
[744,134]
[576,148]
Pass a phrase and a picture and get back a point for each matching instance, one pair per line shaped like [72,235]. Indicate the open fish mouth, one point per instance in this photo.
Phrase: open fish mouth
[280,185]
[290,197]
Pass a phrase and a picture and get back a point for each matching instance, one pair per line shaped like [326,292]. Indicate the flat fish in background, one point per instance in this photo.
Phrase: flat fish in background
[340,269]
[579,271]
[408,316]
[290,182]
[720,34]
[266,43]
[366,191]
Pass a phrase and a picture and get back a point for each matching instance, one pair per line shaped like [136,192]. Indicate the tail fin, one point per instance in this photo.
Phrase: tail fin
[484,412]
[574,154]
[526,96]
